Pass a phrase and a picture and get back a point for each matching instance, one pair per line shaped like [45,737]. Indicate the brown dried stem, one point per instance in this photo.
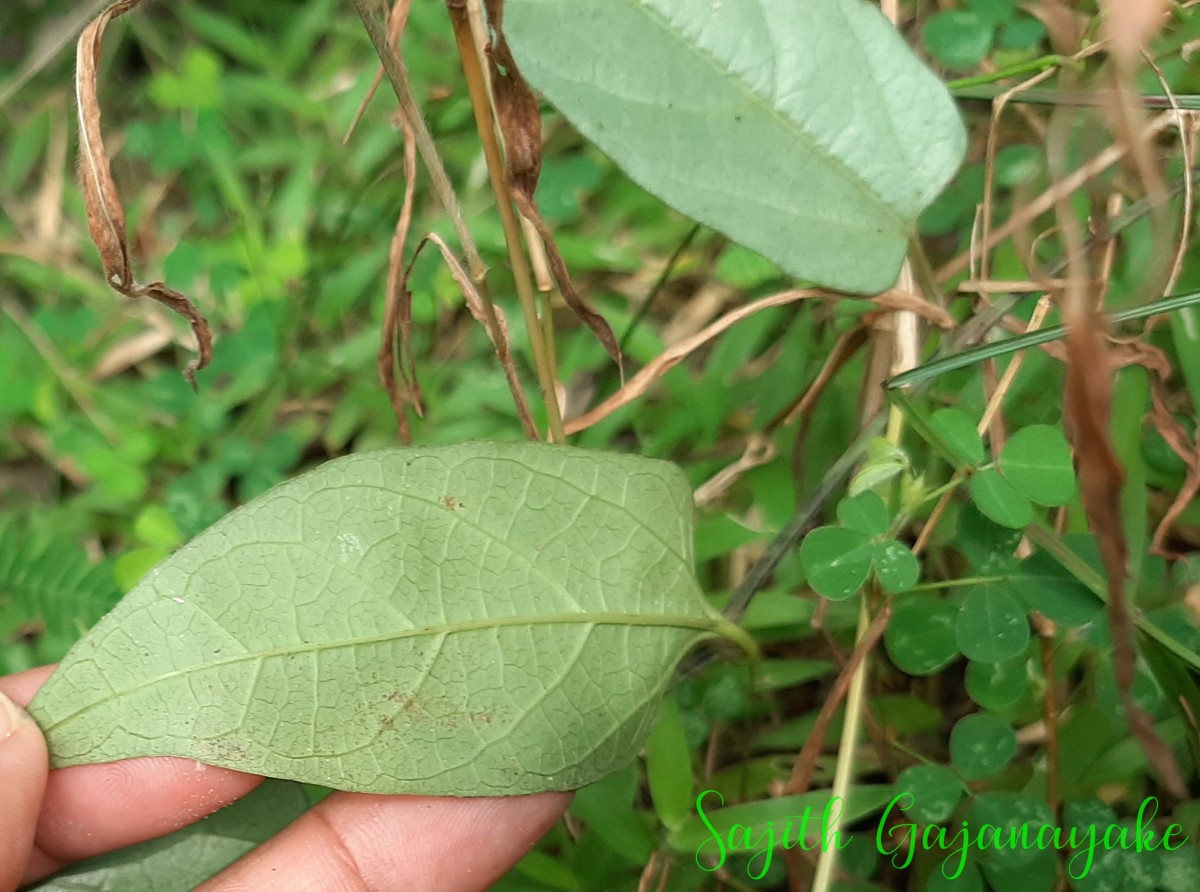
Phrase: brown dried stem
[806,759]
[672,356]
[480,103]
[376,17]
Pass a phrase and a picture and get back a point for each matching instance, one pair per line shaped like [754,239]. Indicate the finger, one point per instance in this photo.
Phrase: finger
[91,809]
[22,686]
[24,765]
[359,842]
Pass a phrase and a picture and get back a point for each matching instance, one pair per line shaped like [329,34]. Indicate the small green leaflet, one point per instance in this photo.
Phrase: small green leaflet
[481,619]
[838,560]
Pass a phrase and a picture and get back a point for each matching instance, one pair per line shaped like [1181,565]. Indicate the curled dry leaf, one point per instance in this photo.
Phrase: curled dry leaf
[1181,444]
[106,217]
[1087,417]
[516,107]
[520,121]
[558,268]
[395,346]
[479,310]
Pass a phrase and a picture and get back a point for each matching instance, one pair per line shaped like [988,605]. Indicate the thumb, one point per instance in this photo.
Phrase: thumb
[23,765]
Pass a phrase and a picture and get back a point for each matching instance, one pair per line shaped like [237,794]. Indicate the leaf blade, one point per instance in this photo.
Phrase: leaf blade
[480,619]
[744,116]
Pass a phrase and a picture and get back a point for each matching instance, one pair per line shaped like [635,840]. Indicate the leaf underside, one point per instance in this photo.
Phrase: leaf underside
[482,619]
[806,130]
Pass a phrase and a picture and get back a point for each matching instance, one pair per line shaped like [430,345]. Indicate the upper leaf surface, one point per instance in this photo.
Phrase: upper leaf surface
[807,131]
[483,619]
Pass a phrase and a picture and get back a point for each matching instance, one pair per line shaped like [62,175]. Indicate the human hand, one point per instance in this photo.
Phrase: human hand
[353,841]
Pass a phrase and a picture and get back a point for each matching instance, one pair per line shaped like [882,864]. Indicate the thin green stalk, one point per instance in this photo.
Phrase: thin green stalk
[904,347]
[975,88]
[843,771]
[1005,347]
[961,88]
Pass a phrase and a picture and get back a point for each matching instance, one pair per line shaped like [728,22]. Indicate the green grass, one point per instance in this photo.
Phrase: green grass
[226,123]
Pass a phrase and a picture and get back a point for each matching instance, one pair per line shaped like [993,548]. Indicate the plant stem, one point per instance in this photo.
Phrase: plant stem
[961,87]
[847,747]
[374,15]
[522,276]
[977,89]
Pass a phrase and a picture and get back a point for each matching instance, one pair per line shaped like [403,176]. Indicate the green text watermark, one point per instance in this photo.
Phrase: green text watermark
[901,840]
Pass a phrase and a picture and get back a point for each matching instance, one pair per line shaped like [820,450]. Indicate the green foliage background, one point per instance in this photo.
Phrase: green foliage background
[227,120]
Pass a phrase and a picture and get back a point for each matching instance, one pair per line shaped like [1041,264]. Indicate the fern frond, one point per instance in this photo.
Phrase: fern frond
[51,592]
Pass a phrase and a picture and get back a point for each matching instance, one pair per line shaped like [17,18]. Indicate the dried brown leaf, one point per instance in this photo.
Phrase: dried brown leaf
[106,217]
[1087,416]
[395,346]
[562,278]
[1086,408]
[520,121]
[517,110]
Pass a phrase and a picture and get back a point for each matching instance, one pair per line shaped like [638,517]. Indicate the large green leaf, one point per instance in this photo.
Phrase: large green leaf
[482,619]
[804,129]
[186,858]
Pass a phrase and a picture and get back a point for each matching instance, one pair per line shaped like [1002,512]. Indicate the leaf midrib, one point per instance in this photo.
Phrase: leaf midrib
[699,624]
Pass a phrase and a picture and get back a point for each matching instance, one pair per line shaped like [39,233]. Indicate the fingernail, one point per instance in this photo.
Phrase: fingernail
[11,717]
